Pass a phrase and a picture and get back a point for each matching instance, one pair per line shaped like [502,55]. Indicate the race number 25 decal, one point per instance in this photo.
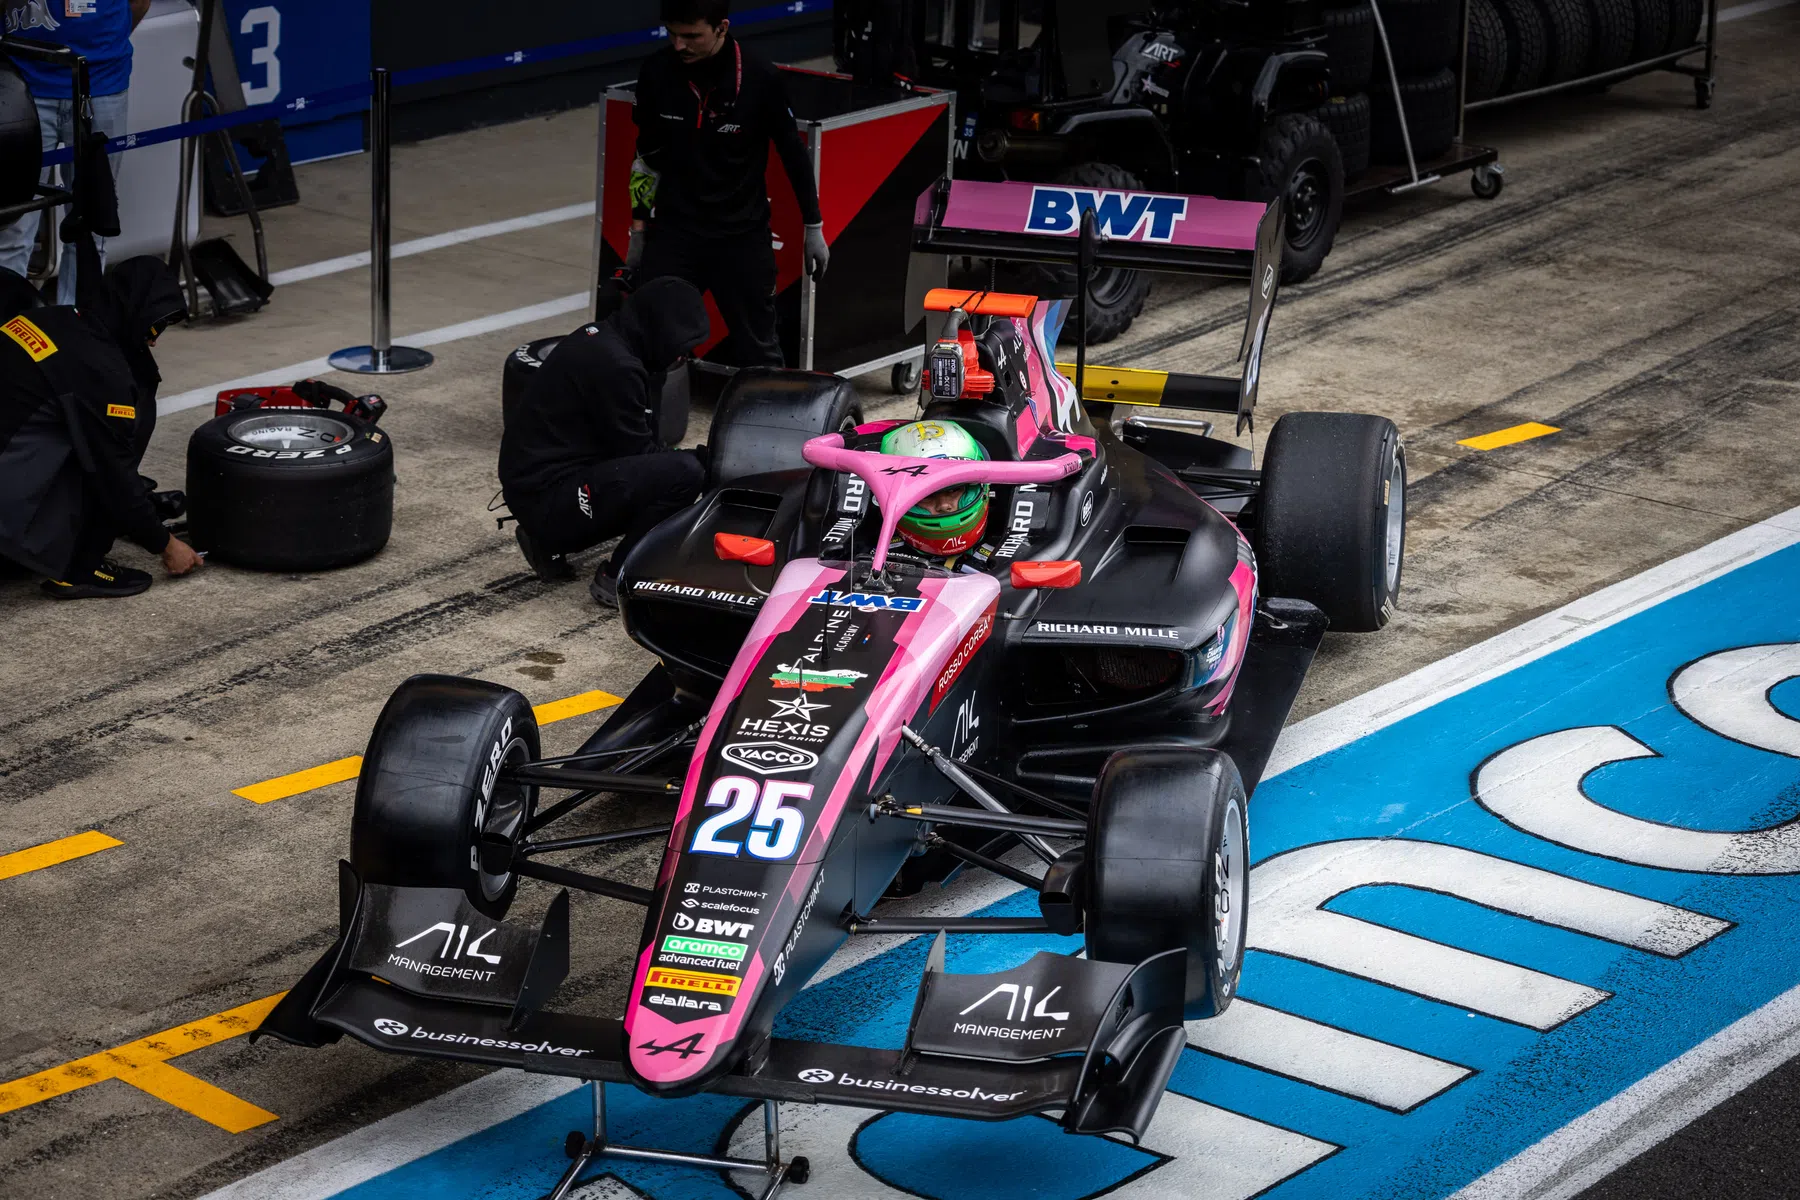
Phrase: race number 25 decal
[776,828]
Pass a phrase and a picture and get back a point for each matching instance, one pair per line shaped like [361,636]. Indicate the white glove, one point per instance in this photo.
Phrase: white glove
[818,254]
[634,249]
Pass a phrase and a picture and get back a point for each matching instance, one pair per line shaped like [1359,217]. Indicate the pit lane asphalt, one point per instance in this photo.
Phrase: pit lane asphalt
[1637,284]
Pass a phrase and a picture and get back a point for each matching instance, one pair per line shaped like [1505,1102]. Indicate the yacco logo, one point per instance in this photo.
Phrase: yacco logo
[1127,216]
[734,951]
[868,601]
[769,758]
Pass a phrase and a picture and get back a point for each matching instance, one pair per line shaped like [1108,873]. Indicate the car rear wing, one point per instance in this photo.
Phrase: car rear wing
[1092,228]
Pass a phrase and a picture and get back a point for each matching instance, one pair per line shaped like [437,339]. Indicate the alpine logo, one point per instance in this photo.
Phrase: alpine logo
[770,758]
[1126,216]
[730,929]
[868,601]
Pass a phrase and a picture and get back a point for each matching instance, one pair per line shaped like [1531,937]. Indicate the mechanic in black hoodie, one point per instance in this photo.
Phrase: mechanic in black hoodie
[579,461]
[707,111]
[77,408]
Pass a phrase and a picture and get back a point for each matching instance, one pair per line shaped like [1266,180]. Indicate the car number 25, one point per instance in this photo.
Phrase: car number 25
[775,827]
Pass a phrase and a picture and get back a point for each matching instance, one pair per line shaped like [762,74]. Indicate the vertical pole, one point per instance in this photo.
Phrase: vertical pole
[380,356]
[599,1116]
[1083,268]
[771,1135]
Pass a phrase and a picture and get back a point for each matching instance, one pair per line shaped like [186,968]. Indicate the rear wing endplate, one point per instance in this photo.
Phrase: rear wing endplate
[1144,231]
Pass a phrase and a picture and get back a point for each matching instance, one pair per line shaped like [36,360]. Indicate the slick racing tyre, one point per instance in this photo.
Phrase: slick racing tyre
[521,367]
[1115,296]
[1331,524]
[430,787]
[1430,119]
[280,489]
[1168,867]
[1301,164]
[765,416]
[20,147]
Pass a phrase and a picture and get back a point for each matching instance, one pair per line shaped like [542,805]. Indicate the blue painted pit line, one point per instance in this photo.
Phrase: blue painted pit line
[1484,934]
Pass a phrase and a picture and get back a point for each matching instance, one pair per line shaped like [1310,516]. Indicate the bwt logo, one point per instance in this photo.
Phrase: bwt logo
[1122,215]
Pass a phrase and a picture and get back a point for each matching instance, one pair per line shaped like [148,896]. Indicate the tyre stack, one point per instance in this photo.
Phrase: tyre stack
[1518,45]
[1350,43]
[1422,36]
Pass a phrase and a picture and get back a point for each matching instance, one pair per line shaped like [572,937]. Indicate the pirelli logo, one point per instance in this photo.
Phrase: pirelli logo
[122,410]
[692,981]
[31,339]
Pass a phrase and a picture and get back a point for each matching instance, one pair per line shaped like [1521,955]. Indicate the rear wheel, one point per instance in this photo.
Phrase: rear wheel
[1301,164]
[1331,523]
[1168,867]
[430,787]
[767,414]
[1115,296]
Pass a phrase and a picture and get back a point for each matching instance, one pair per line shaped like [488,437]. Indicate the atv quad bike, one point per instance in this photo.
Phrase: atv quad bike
[1082,705]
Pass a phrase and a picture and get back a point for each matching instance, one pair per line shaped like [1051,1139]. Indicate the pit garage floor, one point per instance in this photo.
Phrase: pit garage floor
[1637,286]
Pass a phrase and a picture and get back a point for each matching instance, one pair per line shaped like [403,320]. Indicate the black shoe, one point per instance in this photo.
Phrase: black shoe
[605,588]
[108,579]
[551,568]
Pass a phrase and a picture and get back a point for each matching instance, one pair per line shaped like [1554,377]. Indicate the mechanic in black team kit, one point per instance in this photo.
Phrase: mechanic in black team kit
[77,408]
[579,461]
[707,109]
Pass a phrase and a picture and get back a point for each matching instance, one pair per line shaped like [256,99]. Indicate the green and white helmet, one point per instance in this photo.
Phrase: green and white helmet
[950,521]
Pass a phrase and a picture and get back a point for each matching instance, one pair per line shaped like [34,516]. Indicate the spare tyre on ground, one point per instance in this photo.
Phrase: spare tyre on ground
[290,489]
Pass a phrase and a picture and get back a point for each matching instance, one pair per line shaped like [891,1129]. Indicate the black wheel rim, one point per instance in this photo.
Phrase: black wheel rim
[503,814]
[1308,200]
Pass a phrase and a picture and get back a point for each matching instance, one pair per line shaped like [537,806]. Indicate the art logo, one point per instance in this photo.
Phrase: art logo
[1125,216]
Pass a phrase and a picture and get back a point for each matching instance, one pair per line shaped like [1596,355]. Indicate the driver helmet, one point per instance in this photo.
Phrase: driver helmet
[946,522]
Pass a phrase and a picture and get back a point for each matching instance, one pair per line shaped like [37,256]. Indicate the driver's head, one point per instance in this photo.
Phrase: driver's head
[663,321]
[696,28]
[949,521]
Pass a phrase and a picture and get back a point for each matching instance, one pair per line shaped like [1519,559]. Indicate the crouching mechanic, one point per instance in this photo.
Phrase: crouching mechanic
[77,409]
[579,461]
[946,524]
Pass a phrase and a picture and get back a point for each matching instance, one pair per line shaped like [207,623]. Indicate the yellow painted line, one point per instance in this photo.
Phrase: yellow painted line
[144,1065]
[36,858]
[301,781]
[574,706]
[1508,437]
[348,768]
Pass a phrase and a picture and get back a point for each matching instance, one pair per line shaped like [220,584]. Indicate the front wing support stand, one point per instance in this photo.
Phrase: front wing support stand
[586,1149]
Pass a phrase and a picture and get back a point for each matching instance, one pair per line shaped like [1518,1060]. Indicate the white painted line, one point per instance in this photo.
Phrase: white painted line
[1377,709]
[437,241]
[1599,1142]
[1769,1036]
[1737,11]
[196,397]
[397,1140]
[1324,1056]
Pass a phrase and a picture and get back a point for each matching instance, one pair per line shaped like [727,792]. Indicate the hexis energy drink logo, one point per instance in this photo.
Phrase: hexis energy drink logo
[1127,216]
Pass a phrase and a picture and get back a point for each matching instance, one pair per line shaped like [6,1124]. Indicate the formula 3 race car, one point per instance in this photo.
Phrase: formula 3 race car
[1082,704]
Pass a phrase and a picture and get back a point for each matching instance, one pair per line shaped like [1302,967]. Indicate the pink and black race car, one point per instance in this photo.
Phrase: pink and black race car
[1082,704]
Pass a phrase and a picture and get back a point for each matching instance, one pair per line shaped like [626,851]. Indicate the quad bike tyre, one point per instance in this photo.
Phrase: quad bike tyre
[279,489]
[1489,55]
[766,415]
[1655,19]
[1686,19]
[1301,163]
[1570,26]
[1331,526]
[1167,863]
[1615,32]
[1115,296]
[429,787]
[1350,45]
[1347,117]
[1430,119]
[1527,44]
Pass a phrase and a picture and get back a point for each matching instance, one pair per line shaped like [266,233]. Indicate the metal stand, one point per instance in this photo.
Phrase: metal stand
[380,356]
[585,1149]
[1704,76]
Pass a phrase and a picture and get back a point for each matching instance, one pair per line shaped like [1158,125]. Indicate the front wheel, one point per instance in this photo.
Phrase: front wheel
[431,787]
[1331,516]
[1168,864]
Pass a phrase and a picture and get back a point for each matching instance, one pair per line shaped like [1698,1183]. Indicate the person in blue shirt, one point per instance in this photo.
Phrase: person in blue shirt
[100,31]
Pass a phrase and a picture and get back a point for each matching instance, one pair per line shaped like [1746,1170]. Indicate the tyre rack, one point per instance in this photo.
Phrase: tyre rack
[1486,175]
[1702,75]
